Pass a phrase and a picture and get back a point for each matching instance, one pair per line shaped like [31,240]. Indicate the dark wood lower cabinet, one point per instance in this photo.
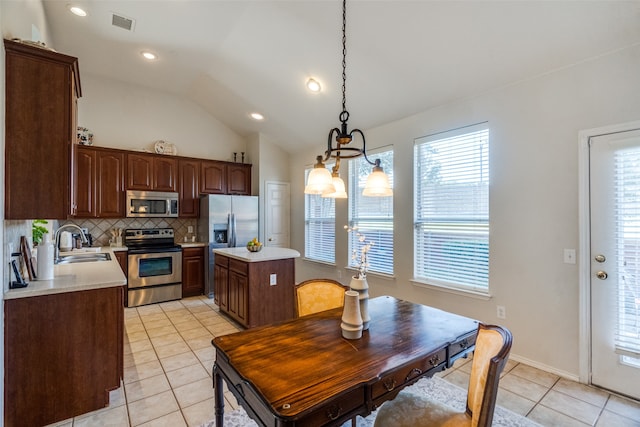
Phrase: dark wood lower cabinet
[123,260]
[63,354]
[192,272]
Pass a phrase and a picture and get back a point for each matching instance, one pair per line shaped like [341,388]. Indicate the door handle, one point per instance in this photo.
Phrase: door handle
[602,275]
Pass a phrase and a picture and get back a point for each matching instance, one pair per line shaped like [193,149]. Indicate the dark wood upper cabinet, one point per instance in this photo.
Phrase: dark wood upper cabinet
[85,180]
[165,173]
[239,179]
[41,89]
[152,172]
[110,184]
[189,173]
[139,172]
[99,183]
[213,177]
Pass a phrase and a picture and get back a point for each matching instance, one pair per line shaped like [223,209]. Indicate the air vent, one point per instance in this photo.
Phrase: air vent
[122,22]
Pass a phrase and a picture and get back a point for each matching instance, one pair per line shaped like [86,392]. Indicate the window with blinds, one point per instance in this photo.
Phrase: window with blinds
[451,208]
[372,215]
[319,227]
[627,226]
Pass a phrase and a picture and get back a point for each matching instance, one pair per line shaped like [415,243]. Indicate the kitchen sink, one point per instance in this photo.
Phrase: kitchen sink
[84,257]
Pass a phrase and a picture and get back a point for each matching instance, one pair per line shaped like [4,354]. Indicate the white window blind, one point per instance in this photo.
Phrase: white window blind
[372,215]
[319,227]
[627,226]
[451,230]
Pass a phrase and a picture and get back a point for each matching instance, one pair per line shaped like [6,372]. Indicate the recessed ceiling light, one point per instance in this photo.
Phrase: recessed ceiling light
[313,85]
[257,116]
[149,55]
[77,11]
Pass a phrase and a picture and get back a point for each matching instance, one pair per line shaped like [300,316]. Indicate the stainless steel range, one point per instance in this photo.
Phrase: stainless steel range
[155,266]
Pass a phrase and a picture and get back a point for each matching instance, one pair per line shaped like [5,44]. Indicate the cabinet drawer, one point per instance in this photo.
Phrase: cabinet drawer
[222,261]
[238,266]
[405,375]
[460,347]
[333,410]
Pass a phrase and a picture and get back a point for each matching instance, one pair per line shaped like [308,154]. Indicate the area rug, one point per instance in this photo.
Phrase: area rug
[434,388]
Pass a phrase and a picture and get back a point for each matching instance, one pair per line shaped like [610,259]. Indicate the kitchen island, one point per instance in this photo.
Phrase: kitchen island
[64,343]
[255,288]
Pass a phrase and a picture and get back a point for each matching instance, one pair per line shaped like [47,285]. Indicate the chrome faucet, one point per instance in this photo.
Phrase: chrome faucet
[56,257]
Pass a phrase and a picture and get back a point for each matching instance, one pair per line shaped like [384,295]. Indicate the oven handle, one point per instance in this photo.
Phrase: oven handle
[139,251]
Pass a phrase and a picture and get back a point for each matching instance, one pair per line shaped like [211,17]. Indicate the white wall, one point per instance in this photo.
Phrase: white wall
[131,117]
[534,129]
[270,163]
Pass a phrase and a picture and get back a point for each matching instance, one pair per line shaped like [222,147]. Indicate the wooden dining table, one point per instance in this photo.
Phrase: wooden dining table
[302,372]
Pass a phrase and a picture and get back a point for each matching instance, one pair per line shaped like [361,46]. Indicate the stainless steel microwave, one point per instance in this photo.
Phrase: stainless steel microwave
[151,204]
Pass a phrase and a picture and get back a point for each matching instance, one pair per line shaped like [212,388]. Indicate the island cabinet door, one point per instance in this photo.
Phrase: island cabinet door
[221,282]
[238,297]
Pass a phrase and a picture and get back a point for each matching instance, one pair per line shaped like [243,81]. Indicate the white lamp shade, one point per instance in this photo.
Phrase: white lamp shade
[377,185]
[319,181]
[338,192]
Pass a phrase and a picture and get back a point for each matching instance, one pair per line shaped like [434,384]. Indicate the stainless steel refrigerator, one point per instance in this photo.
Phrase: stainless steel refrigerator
[226,222]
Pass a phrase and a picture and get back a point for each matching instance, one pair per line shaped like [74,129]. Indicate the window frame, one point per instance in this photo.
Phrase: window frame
[355,187]
[329,221]
[471,228]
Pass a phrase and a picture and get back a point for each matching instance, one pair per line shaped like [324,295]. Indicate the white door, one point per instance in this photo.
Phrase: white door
[615,261]
[277,216]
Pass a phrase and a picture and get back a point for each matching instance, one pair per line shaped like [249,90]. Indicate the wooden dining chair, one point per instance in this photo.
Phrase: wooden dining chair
[408,409]
[315,295]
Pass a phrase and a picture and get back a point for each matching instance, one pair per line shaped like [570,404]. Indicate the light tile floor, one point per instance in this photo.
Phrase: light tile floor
[167,377]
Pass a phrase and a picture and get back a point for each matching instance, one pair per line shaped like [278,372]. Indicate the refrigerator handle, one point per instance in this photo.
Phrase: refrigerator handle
[232,229]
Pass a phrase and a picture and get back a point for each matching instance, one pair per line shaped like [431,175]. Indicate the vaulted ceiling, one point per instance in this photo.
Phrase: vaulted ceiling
[403,57]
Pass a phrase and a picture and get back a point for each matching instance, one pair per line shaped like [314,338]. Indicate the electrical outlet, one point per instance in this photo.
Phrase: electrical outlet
[501,312]
[273,279]
[190,229]
[339,274]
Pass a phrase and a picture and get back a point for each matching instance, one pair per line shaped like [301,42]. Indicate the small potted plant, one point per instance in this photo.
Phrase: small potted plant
[38,230]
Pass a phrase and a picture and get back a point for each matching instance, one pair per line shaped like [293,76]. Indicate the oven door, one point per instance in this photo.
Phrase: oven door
[156,268]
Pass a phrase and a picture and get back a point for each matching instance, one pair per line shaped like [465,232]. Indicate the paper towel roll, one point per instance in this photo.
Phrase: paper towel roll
[45,258]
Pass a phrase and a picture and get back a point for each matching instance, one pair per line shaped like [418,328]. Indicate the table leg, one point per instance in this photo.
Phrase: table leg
[219,396]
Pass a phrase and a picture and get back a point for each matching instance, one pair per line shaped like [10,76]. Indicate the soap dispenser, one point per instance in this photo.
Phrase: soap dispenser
[45,258]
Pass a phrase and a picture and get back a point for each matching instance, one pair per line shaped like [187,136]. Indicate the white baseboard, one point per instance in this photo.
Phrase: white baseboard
[542,366]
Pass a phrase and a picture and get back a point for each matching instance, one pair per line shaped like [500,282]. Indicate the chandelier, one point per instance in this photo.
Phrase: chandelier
[329,184]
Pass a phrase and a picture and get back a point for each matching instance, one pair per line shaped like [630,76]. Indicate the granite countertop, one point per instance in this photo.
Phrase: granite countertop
[266,254]
[75,277]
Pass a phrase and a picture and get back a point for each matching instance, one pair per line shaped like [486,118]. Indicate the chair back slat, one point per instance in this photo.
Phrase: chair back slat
[490,356]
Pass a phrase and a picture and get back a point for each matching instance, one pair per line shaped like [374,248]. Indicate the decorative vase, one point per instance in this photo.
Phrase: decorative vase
[362,287]
[351,320]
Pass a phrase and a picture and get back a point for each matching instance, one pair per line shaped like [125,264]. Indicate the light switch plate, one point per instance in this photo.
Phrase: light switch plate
[273,279]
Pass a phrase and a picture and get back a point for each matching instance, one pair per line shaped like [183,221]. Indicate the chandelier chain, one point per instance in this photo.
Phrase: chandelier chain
[344,55]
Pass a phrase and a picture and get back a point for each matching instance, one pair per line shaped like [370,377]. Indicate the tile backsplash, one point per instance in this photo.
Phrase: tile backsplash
[100,229]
